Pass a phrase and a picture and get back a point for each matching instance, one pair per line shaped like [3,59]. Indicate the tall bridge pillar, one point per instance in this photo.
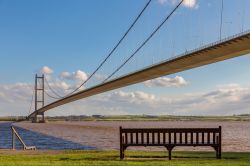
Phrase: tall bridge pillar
[39,98]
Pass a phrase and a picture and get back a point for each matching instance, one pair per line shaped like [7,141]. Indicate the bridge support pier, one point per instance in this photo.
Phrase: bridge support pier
[42,120]
[38,118]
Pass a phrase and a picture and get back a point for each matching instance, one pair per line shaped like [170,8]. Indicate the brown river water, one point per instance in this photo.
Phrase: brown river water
[105,135]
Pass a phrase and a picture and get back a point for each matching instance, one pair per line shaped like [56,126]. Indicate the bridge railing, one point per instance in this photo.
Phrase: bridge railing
[210,45]
[198,49]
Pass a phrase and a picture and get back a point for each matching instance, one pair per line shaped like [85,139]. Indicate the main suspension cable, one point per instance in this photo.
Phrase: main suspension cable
[45,91]
[221,17]
[51,89]
[113,50]
[32,99]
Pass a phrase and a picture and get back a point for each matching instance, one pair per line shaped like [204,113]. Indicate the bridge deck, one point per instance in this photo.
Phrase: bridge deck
[229,48]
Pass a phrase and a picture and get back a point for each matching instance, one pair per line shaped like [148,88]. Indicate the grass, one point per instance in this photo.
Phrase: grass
[112,158]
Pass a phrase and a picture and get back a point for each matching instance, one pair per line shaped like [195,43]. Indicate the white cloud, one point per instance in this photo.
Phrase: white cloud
[166,82]
[60,85]
[162,2]
[186,3]
[223,100]
[190,3]
[46,70]
[76,76]
[132,97]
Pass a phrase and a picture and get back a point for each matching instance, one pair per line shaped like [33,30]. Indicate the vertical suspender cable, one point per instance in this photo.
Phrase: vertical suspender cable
[32,99]
[221,17]
[145,41]
[116,46]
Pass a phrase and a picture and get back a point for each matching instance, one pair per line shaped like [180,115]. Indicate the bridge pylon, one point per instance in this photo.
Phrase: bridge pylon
[39,99]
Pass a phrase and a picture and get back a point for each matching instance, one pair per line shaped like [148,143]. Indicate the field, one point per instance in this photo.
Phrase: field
[137,118]
[20,158]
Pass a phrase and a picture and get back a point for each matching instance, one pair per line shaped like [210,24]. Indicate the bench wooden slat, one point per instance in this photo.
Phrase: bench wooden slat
[180,137]
[202,137]
[192,138]
[131,138]
[142,137]
[197,138]
[174,137]
[186,137]
[137,139]
[153,138]
[214,137]
[171,130]
[164,138]
[159,138]
[169,138]
[208,137]
[126,138]
[148,138]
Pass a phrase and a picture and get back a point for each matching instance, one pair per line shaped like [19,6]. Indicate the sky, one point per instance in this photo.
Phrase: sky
[66,40]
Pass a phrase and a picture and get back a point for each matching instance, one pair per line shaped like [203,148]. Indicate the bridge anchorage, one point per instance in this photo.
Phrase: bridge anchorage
[39,99]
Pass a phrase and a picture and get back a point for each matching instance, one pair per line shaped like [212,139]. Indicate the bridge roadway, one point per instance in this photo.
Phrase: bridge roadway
[225,49]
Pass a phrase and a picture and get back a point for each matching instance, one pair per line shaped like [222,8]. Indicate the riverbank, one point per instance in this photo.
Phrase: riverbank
[22,158]
[245,117]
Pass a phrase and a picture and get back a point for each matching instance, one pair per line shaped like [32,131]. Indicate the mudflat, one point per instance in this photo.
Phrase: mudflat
[104,135]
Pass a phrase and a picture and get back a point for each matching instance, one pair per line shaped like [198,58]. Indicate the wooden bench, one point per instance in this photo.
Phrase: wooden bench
[170,138]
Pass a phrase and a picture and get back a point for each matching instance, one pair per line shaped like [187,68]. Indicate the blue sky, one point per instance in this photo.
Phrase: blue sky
[70,36]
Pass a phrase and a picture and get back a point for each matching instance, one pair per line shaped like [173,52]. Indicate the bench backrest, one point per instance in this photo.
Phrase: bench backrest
[166,136]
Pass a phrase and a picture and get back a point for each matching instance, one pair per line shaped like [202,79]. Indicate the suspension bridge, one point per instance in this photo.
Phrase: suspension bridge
[223,49]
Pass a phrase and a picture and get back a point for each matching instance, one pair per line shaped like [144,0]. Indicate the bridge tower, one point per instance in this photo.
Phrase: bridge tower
[39,98]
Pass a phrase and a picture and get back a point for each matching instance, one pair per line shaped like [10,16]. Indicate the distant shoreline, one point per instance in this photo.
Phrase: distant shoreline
[135,118]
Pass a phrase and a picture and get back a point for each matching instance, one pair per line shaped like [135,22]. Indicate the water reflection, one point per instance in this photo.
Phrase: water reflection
[41,141]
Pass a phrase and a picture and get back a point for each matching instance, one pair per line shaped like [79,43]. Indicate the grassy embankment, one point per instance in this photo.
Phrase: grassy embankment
[112,158]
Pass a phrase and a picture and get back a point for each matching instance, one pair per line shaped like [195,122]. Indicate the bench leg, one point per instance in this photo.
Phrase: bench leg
[122,152]
[219,152]
[170,152]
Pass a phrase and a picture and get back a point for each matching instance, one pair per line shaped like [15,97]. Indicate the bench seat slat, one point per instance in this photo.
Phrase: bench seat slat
[159,137]
[155,130]
[126,138]
[214,137]
[203,138]
[208,137]
[142,137]
[148,138]
[137,139]
[164,137]
[131,138]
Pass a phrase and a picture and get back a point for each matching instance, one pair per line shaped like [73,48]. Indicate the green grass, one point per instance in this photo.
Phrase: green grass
[132,158]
